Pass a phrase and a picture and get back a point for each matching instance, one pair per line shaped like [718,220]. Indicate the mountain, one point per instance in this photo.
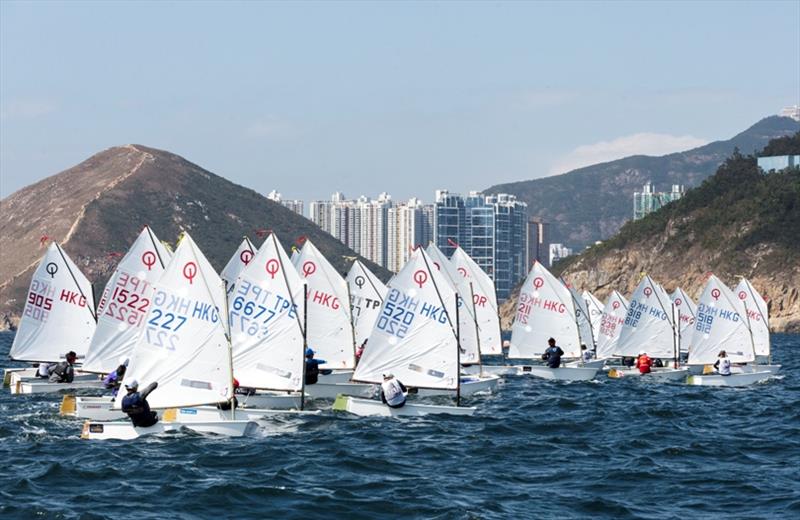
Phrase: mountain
[592,203]
[97,208]
[738,222]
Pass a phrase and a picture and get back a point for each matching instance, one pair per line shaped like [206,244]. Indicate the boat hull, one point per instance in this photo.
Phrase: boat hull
[331,390]
[495,370]
[43,387]
[270,400]
[372,408]
[657,374]
[594,363]
[469,386]
[124,430]
[733,380]
[196,414]
[560,374]
[337,376]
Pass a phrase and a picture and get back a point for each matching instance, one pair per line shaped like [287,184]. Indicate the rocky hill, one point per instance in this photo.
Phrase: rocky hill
[739,222]
[97,208]
[592,203]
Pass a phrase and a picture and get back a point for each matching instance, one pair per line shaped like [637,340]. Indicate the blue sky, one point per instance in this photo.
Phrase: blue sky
[309,98]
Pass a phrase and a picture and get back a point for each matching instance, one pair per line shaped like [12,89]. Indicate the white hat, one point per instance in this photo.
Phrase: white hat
[641,352]
[132,384]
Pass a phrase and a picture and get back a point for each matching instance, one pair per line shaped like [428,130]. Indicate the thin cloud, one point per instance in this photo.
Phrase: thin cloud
[636,144]
[27,109]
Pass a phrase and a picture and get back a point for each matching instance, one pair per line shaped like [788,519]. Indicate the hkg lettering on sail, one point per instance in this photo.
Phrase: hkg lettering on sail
[325,299]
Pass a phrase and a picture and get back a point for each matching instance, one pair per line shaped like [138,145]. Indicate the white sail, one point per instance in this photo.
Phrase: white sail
[611,325]
[125,302]
[648,324]
[184,346]
[582,317]
[468,326]
[59,313]
[687,311]
[266,315]
[720,325]
[544,310]
[757,314]
[244,253]
[484,302]
[595,312]
[329,329]
[414,337]
[367,293]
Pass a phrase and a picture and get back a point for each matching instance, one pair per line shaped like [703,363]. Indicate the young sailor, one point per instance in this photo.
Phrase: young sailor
[553,354]
[723,364]
[136,406]
[312,367]
[360,351]
[114,379]
[393,392]
[63,372]
[44,371]
[586,354]
[644,363]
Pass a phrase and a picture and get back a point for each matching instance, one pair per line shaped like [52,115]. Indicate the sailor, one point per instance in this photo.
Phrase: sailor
[553,354]
[723,364]
[312,367]
[643,362]
[43,371]
[393,392]
[226,405]
[114,379]
[63,372]
[586,354]
[136,406]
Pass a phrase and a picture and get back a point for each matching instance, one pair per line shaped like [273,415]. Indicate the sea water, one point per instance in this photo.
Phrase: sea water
[625,448]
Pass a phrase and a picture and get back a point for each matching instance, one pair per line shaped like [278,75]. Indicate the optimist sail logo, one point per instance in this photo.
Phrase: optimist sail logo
[309,268]
[615,305]
[190,271]
[462,271]
[678,302]
[742,295]
[272,267]
[715,294]
[538,282]
[360,281]
[245,256]
[648,291]
[149,259]
[420,277]
[51,269]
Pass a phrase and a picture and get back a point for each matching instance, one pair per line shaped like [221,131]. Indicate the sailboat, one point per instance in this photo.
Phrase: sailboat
[546,309]
[580,307]
[416,338]
[723,323]
[485,310]
[367,293]
[651,325]
[121,319]
[59,316]
[244,253]
[758,317]
[185,347]
[330,332]
[687,312]
[595,307]
[469,327]
[611,325]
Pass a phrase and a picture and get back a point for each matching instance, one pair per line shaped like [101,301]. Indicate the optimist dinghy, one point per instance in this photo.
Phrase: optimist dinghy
[611,325]
[59,316]
[723,323]
[416,338]
[367,293]
[547,308]
[243,255]
[651,325]
[185,348]
[758,318]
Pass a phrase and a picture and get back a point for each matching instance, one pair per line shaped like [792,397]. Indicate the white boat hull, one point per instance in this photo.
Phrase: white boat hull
[565,373]
[657,374]
[469,386]
[124,430]
[594,363]
[336,376]
[196,414]
[28,375]
[747,369]
[270,400]
[42,386]
[94,408]
[494,370]
[331,390]
[733,380]
[369,407]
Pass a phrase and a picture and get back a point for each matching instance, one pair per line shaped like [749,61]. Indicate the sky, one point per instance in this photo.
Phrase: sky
[404,97]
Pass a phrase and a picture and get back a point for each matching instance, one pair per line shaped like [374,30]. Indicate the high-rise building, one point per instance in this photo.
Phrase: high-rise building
[559,251]
[792,111]
[295,205]
[491,229]
[408,225]
[538,242]
[648,201]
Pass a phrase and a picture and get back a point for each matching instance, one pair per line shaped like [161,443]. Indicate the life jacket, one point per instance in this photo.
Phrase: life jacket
[62,373]
[138,409]
[644,363]
[312,371]
[724,367]
[393,393]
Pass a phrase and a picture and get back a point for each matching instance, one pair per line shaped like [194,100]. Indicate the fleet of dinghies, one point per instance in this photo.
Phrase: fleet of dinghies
[229,350]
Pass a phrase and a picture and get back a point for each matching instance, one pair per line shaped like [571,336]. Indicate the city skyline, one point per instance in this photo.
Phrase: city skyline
[474,98]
